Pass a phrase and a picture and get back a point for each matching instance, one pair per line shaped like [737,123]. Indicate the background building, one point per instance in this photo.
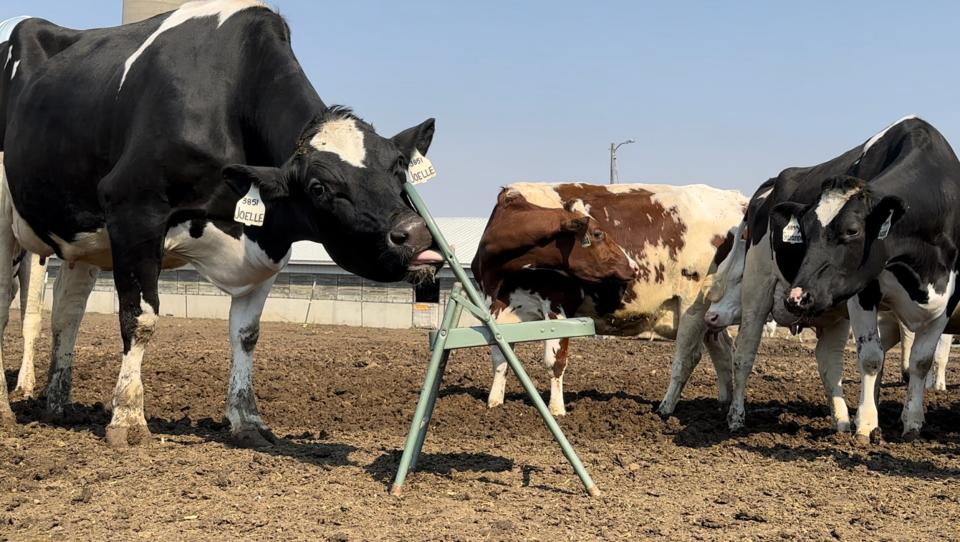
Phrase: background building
[312,289]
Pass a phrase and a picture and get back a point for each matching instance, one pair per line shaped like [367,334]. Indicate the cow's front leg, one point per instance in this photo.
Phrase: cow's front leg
[137,247]
[862,309]
[71,290]
[686,356]
[921,358]
[246,426]
[555,356]
[829,353]
[757,300]
[32,279]
[499,385]
[720,347]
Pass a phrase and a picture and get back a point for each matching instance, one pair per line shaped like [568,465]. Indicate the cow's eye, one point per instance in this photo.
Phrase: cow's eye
[598,235]
[851,232]
[317,189]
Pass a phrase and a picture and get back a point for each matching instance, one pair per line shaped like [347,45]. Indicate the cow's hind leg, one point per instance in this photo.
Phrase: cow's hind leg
[921,358]
[499,385]
[7,248]
[246,425]
[71,289]
[937,376]
[829,353]
[32,277]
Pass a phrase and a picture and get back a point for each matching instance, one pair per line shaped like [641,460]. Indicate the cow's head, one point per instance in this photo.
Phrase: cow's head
[831,249]
[727,284]
[343,188]
[560,239]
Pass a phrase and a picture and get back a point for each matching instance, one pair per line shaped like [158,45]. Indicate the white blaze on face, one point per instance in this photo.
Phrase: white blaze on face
[222,9]
[343,138]
[830,204]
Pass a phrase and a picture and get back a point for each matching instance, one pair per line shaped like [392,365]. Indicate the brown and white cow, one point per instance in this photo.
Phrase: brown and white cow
[674,235]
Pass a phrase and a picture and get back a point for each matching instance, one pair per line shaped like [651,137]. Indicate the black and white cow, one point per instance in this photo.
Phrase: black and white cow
[875,227]
[139,148]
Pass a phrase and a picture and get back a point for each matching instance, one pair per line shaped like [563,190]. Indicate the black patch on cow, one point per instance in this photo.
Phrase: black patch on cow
[691,275]
[869,298]
[909,280]
[249,336]
[196,227]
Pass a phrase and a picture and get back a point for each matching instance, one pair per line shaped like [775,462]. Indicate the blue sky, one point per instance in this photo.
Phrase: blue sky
[722,93]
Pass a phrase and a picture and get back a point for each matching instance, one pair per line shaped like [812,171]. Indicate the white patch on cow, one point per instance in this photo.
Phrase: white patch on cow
[343,138]
[870,142]
[937,301]
[539,194]
[222,9]
[578,206]
[830,204]
[606,214]
[236,266]
[764,194]
[9,58]
[616,222]
[13,72]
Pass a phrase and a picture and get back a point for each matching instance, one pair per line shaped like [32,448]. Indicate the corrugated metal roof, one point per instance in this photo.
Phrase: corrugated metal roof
[462,233]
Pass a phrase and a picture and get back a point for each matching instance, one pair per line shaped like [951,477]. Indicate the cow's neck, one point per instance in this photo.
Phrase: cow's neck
[281,105]
[283,225]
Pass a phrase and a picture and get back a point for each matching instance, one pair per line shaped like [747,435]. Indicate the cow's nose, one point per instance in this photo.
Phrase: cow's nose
[411,232]
[798,301]
[711,318]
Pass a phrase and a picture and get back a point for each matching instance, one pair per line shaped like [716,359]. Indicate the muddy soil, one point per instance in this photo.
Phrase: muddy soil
[341,400]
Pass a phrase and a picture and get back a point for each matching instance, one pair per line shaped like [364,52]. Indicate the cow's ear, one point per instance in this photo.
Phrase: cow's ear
[575,225]
[884,215]
[270,180]
[417,138]
[785,222]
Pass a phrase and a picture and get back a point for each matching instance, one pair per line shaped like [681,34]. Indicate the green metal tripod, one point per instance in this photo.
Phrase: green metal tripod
[449,337]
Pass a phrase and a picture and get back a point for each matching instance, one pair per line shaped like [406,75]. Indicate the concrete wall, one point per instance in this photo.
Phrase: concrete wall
[321,297]
[138,10]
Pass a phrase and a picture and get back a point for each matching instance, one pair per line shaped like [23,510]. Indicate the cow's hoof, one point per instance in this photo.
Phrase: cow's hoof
[911,435]
[558,411]
[494,403]
[7,419]
[121,436]
[905,377]
[22,394]
[664,411]
[253,437]
[843,426]
[735,422]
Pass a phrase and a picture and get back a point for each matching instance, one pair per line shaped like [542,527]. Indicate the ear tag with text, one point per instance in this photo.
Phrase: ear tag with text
[885,227]
[250,209]
[791,232]
[421,169]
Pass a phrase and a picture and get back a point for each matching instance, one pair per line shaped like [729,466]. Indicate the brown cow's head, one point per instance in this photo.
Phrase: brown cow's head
[524,237]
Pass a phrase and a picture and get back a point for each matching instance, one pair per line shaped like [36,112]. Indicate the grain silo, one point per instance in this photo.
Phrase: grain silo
[138,10]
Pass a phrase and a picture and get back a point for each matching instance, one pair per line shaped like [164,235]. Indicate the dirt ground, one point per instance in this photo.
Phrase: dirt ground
[341,399]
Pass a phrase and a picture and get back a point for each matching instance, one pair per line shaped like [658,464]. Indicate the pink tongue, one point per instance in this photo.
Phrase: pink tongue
[427,256]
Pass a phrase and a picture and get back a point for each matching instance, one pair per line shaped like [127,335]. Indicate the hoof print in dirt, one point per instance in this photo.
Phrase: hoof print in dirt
[121,436]
[253,438]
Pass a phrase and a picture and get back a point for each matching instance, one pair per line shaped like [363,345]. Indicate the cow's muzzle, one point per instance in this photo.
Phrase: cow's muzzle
[798,301]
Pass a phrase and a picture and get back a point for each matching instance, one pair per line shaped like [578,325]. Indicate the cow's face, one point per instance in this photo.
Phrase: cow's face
[724,294]
[831,249]
[591,255]
[344,185]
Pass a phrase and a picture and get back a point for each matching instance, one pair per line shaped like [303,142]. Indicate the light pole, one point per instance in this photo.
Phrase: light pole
[613,158]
